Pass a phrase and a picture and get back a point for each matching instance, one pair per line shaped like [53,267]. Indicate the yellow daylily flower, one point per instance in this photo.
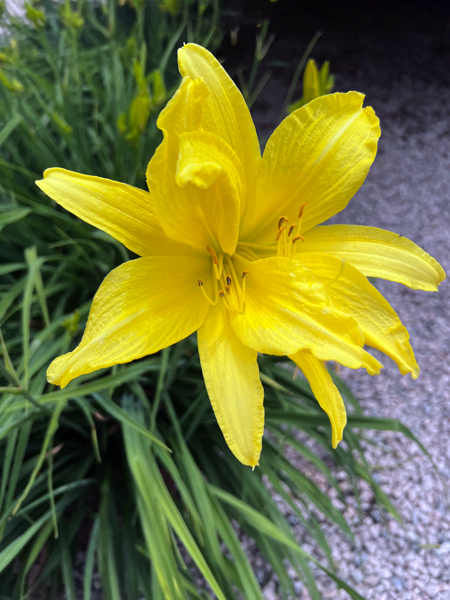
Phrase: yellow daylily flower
[230,247]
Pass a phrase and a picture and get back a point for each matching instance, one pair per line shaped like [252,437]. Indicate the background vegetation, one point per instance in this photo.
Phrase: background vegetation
[122,481]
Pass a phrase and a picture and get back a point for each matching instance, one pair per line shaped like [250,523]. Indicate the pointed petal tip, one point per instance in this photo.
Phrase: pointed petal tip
[336,441]
[55,372]
[252,461]
[337,432]
[248,456]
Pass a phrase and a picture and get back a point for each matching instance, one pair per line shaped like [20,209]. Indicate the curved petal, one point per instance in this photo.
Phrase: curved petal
[377,253]
[350,292]
[142,306]
[208,163]
[320,155]
[232,379]
[326,393]
[126,213]
[287,310]
[195,177]
[224,113]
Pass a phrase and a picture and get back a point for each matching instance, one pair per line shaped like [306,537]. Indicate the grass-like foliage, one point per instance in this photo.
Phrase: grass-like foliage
[127,466]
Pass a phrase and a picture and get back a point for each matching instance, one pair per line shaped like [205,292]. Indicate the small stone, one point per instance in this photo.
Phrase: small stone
[385,573]
[443,549]
[372,580]
[357,576]
[298,588]
[376,516]
[269,592]
[397,583]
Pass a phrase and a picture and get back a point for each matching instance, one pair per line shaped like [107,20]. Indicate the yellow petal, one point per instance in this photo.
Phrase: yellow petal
[206,162]
[287,310]
[326,393]
[350,292]
[224,113]
[320,154]
[232,379]
[142,306]
[184,111]
[195,177]
[378,253]
[124,212]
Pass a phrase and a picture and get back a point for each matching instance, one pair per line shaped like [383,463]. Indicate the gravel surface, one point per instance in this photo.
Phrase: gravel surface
[400,58]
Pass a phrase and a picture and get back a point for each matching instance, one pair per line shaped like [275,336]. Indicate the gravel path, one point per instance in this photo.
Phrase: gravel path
[400,58]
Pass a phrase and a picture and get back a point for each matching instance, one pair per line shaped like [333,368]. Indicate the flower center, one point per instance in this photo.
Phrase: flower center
[227,285]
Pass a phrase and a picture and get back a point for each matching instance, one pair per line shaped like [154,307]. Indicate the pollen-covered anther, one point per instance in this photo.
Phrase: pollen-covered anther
[228,280]
[280,232]
[298,237]
[291,229]
[302,208]
[200,282]
[282,221]
[299,226]
[244,273]
[213,254]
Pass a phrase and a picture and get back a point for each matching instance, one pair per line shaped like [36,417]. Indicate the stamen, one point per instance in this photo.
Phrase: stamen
[228,280]
[222,295]
[237,287]
[291,229]
[213,254]
[299,226]
[280,231]
[243,290]
[298,237]
[212,302]
[282,221]
[217,262]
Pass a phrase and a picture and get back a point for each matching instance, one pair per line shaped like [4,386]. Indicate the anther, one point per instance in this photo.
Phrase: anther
[221,293]
[213,254]
[280,231]
[298,237]
[228,280]
[282,221]
[244,274]
[202,289]
[302,208]
[291,229]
